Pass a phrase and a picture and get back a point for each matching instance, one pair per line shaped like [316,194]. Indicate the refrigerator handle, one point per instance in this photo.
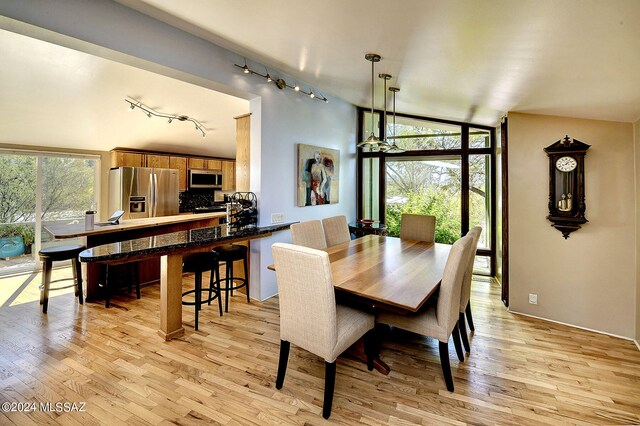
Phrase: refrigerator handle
[155,195]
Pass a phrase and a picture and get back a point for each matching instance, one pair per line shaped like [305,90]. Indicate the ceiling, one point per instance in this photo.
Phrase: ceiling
[55,96]
[463,60]
[466,60]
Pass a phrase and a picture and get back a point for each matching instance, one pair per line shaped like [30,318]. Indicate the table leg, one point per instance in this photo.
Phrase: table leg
[171,296]
[358,352]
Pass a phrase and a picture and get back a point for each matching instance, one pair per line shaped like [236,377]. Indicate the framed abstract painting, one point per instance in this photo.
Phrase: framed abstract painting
[318,175]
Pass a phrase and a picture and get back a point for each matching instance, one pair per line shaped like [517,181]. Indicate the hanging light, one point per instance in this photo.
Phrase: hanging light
[384,145]
[372,140]
[393,147]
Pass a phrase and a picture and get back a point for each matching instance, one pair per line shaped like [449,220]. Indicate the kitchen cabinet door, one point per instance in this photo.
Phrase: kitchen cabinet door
[197,163]
[180,163]
[228,175]
[126,159]
[157,161]
[214,164]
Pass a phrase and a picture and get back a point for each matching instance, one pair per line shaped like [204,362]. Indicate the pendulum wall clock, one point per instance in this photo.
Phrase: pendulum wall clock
[566,184]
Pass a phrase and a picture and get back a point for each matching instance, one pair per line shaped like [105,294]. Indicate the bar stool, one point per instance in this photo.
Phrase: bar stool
[229,254]
[199,263]
[132,270]
[59,253]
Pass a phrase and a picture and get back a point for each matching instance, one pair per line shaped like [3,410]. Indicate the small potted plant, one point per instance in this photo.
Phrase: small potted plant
[28,235]
[11,243]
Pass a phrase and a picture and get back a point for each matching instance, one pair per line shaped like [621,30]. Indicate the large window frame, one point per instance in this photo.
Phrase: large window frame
[464,152]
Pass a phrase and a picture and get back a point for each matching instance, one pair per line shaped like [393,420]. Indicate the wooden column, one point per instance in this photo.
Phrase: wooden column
[171,297]
[242,152]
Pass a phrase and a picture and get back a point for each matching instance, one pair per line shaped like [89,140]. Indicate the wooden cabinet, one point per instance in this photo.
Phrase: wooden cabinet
[214,165]
[228,175]
[180,163]
[127,159]
[197,163]
[157,161]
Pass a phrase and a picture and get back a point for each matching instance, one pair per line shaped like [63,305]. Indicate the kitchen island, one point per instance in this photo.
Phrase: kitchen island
[170,247]
[128,230]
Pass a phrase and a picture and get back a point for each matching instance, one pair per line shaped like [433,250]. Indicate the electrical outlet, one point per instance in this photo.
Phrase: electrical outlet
[533,298]
[277,218]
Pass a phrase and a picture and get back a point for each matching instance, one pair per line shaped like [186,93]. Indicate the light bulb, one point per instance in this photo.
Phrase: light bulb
[296,88]
[312,95]
[245,69]
[269,79]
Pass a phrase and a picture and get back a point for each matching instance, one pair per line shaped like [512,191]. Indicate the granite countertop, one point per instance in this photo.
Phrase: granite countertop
[78,229]
[166,243]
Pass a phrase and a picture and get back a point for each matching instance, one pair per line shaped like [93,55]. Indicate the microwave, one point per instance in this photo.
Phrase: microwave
[210,179]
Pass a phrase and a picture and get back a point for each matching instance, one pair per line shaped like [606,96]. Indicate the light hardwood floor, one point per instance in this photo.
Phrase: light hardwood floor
[520,371]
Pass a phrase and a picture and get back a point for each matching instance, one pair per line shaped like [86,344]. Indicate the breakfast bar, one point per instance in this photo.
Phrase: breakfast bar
[129,230]
[170,247]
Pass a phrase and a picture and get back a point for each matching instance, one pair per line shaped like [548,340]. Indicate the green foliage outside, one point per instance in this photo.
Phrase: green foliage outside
[67,187]
[26,232]
[433,202]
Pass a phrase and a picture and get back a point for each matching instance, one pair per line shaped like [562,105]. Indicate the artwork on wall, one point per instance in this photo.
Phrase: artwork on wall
[318,170]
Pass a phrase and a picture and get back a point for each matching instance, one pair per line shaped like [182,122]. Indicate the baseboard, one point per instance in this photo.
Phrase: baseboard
[637,344]
[575,326]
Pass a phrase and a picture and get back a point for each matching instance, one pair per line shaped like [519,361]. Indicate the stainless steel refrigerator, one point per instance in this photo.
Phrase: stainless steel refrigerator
[143,192]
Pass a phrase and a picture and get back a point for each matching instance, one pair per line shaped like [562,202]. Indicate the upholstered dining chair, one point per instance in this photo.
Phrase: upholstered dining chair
[465,294]
[418,227]
[308,234]
[440,320]
[309,315]
[336,230]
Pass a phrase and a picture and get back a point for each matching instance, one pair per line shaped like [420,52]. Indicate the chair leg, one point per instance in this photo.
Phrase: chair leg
[329,384]
[370,347]
[469,317]
[230,268]
[77,275]
[246,278]
[282,363]
[46,283]
[226,288]
[216,268]
[463,332]
[455,335]
[197,294]
[211,275]
[444,362]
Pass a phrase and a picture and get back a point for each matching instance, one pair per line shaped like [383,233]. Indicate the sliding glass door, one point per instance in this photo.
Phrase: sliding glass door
[39,189]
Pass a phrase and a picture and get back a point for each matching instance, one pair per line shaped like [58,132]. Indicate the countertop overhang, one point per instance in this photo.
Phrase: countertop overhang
[173,242]
[78,230]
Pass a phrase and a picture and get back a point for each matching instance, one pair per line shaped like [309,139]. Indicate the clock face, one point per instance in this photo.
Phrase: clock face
[566,164]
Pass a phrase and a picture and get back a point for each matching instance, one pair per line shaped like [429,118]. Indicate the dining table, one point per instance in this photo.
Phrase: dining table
[387,273]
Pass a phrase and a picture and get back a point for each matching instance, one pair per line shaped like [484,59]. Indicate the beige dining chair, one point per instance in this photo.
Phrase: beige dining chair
[439,320]
[336,230]
[310,317]
[308,234]
[465,295]
[418,227]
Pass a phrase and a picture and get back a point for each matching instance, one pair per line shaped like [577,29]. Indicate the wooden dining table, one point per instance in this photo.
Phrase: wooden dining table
[387,273]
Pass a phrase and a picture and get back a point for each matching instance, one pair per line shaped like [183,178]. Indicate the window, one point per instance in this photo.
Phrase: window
[38,189]
[447,170]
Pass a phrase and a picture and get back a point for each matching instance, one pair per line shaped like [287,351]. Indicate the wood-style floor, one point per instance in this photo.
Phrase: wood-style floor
[520,371]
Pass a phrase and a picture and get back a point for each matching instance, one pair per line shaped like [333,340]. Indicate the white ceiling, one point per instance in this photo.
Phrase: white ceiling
[466,60]
[463,60]
[55,96]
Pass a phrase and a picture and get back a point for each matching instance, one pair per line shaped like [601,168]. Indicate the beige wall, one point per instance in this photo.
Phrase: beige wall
[636,133]
[588,280]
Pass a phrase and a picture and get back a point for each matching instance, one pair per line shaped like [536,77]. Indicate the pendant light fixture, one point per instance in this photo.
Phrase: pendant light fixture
[372,140]
[384,145]
[393,148]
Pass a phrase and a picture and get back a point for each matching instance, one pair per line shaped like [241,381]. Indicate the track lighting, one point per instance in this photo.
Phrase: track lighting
[148,111]
[280,83]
